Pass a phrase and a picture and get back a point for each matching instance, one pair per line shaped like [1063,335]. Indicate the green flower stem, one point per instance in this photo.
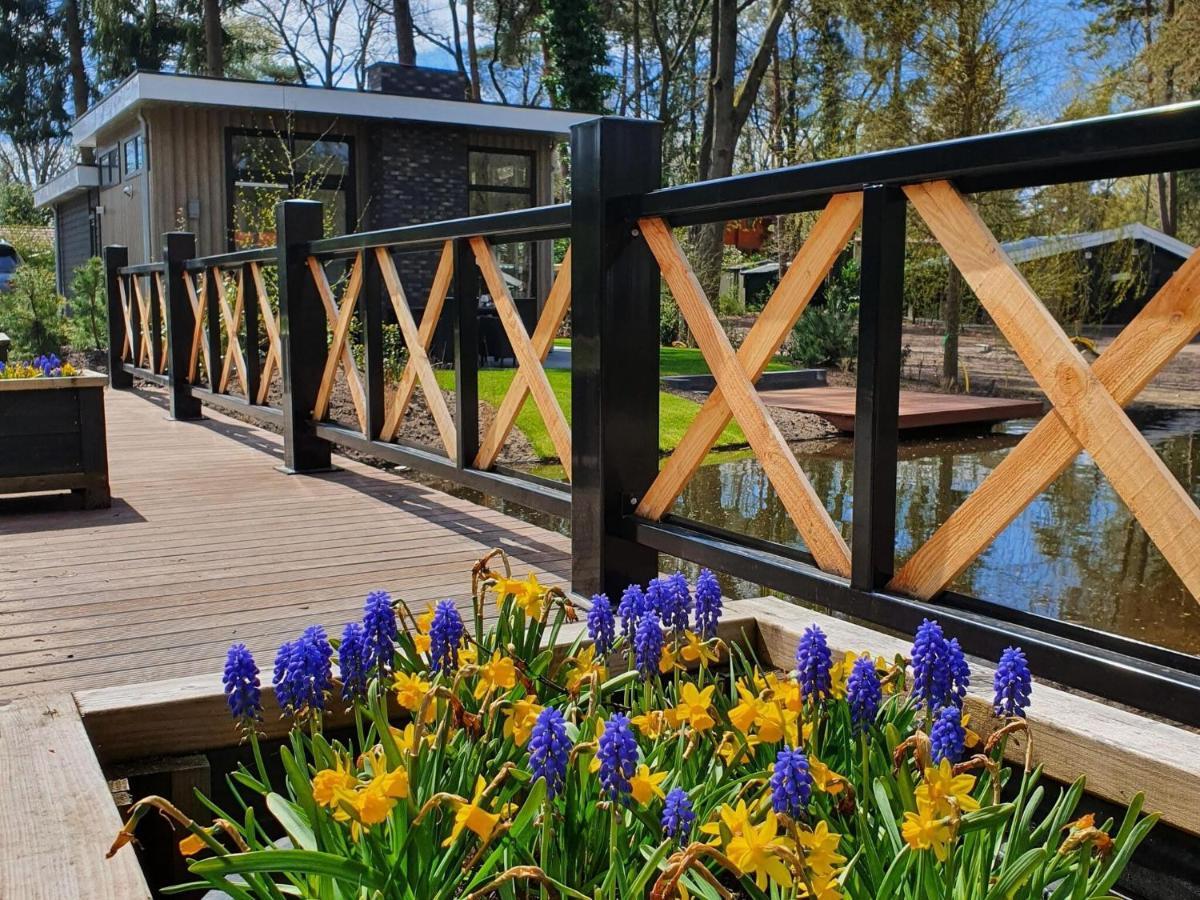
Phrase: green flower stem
[258,760]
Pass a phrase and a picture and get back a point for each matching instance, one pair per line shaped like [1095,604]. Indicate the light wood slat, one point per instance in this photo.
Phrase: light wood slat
[233,349]
[144,353]
[199,344]
[553,313]
[1163,327]
[357,395]
[790,298]
[274,347]
[338,347]
[815,524]
[127,345]
[162,309]
[403,394]
[527,359]
[418,359]
[1081,401]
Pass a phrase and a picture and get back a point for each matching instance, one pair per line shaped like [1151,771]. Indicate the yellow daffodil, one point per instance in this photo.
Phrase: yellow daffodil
[473,816]
[926,830]
[527,595]
[652,724]
[824,887]
[410,693]
[693,706]
[498,672]
[839,674]
[424,623]
[824,778]
[697,651]
[971,738]
[820,849]
[754,852]
[775,721]
[585,664]
[328,782]
[732,750]
[944,792]
[668,661]
[191,845]
[734,820]
[745,713]
[520,718]
[645,784]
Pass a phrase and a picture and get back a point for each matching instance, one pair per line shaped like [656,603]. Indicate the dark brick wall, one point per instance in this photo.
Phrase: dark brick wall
[417,81]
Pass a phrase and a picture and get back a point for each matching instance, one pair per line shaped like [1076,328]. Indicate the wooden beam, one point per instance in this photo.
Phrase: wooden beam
[143,308]
[1083,404]
[357,395]
[199,345]
[338,347]
[127,346]
[403,394]
[162,308]
[274,348]
[812,519]
[527,359]
[233,347]
[1163,327]
[553,314]
[418,359]
[808,270]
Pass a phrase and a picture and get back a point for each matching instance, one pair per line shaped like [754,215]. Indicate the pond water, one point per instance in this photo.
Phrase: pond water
[1074,554]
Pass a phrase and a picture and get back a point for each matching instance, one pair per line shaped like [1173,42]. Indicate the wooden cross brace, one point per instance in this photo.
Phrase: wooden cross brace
[233,346]
[198,343]
[126,345]
[339,348]
[418,367]
[555,311]
[271,322]
[162,309]
[1087,403]
[144,352]
[735,374]
[529,360]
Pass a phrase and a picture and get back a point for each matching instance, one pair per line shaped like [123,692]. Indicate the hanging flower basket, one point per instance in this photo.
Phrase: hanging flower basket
[747,235]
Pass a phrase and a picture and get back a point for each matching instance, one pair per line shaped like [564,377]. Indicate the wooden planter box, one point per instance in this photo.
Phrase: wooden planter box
[52,437]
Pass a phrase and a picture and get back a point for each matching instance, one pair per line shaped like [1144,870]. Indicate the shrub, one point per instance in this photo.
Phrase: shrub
[828,334]
[87,324]
[31,312]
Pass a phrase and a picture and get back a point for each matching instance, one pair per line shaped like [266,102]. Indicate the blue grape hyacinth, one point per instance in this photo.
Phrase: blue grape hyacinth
[947,738]
[242,691]
[863,693]
[633,604]
[932,675]
[960,673]
[1013,683]
[446,632]
[379,632]
[601,626]
[679,610]
[648,644]
[307,673]
[353,663]
[279,676]
[708,604]
[791,782]
[549,750]
[678,817]
[617,753]
[813,664]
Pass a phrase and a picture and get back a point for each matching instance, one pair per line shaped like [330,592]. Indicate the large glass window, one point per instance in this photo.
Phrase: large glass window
[135,155]
[266,167]
[500,181]
[109,164]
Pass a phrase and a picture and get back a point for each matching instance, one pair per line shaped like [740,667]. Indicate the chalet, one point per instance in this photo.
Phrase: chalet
[212,156]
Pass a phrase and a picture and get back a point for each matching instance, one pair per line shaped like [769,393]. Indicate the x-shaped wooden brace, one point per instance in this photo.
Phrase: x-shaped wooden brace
[1088,401]
[127,344]
[418,340]
[529,361]
[735,374]
[162,309]
[144,352]
[198,343]
[233,347]
[271,322]
[339,349]
[553,313]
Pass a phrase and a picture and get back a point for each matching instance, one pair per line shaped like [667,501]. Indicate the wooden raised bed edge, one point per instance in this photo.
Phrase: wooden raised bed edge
[54,437]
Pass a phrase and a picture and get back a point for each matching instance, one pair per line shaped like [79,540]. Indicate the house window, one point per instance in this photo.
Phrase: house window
[110,168]
[135,155]
[500,181]
[265,167]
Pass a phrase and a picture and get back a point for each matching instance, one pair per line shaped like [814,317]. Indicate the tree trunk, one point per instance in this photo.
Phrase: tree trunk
[406,48]
[213,50]
[952,317]
[80,90]
[472,53]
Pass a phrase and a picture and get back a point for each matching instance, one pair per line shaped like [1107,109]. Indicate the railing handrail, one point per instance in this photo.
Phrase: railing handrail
[232,259]
[143,269]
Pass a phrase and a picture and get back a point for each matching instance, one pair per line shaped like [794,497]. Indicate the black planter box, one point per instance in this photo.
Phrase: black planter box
[52,437]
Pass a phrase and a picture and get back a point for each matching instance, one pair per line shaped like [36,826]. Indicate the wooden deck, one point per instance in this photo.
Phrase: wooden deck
[207,543]
[918,409]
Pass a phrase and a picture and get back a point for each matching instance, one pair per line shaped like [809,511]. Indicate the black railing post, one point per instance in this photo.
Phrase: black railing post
[302,333]
[466,353]
[178,248]
[614,351]
[215,326]
[370,310]
[250,320]
[115,258]
[877,405]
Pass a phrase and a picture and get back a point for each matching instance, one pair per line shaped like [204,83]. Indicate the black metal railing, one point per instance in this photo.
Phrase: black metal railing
[615,297]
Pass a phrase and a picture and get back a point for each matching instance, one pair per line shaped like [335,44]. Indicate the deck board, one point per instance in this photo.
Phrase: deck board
[918,409]
[207,543]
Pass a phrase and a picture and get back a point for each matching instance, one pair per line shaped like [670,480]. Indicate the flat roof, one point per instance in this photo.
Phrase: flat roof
[74,180]
[145,88]
[1052,245]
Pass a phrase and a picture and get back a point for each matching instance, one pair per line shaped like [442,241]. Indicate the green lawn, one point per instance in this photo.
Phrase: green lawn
[679,360]
[675,413]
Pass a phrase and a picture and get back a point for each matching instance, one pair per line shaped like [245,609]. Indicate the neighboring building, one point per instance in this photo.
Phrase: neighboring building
[212,156]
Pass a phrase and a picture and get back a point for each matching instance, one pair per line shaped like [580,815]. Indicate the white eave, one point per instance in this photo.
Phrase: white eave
[1040,247]
[75,179]
[143,88]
